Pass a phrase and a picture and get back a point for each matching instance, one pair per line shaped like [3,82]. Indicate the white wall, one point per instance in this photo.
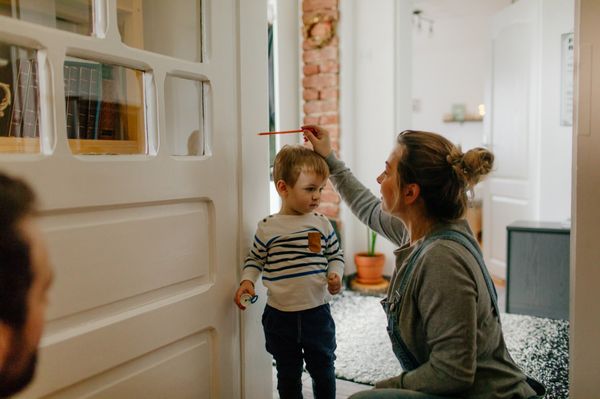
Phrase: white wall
[371,107]
[450,65]
[447,67]
[556,140]
[383,59]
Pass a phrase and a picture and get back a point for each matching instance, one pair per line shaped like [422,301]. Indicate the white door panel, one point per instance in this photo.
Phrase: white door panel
[511,65]
[146,249]
[109,343]
[177,250]
[186,361]
[510,192]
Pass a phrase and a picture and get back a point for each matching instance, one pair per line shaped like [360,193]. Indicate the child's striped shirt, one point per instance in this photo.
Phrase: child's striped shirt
[294,253]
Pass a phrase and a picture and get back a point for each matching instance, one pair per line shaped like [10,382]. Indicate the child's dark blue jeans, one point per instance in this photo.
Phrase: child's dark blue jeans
[292,337]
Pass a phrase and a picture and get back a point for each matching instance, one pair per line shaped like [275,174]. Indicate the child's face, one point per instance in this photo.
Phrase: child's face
[304,197]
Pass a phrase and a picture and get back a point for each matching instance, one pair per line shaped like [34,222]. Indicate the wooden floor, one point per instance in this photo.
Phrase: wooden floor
[343,388]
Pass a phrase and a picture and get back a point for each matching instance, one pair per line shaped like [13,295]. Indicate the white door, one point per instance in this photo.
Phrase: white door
[511,130]
[146,248]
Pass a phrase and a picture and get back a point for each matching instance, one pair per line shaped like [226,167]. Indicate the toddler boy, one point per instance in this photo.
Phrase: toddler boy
[300,258]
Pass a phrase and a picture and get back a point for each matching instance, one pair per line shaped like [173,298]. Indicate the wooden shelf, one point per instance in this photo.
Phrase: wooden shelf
[468,118]
[31,145]
[19,145]
[104,147]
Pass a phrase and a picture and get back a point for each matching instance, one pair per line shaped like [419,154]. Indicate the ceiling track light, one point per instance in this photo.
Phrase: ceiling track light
[420,22]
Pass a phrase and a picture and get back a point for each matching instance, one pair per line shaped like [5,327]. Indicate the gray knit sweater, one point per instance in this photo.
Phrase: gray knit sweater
[446,315]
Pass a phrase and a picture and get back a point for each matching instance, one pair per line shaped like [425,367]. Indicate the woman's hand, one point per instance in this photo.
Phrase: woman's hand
[393,382]
[319,138]
[246,287]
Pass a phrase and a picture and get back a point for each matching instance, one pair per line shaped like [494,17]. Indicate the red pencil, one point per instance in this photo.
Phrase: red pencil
[281,132]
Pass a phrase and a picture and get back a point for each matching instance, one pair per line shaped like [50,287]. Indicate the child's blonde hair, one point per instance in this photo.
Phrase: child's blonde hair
[293,159]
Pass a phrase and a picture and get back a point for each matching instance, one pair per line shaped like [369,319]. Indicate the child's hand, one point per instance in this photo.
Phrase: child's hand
[246,287]
[334,283]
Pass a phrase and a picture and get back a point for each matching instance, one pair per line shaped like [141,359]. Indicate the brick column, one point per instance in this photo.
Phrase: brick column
[321,70]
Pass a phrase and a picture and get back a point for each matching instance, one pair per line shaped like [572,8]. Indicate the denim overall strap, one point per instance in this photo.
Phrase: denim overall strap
[407,360]
[392,308]
[453,235]
[476,252]
[404,356]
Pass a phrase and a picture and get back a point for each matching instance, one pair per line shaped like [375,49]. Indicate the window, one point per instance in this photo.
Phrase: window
[186,107]
[172,28]
[19,104]
[105,108]
[68,15]
[110,94]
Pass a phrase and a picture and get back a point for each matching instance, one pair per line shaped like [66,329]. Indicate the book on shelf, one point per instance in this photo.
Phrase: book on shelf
[83,96]
[92,99]
[24,119]
[109,126]
[71,76]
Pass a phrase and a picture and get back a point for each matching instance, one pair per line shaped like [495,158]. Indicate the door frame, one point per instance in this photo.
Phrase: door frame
[584,351]
[255,367]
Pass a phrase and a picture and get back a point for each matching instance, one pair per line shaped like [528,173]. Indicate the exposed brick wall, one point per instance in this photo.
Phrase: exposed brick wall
[321,83]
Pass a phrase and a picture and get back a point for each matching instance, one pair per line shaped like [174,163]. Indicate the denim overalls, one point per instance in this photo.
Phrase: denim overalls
[391,305]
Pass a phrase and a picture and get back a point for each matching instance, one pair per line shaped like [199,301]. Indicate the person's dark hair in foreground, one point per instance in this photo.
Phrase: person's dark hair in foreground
[25,276]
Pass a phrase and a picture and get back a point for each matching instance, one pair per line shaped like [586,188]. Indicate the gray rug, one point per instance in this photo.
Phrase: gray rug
[364,354]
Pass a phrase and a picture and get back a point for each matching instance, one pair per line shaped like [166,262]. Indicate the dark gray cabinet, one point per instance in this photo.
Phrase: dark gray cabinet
[537,272]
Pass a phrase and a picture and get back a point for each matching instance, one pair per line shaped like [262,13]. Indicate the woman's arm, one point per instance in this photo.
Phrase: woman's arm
[363,203]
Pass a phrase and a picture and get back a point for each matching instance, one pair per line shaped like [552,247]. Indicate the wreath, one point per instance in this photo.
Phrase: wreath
[319,31]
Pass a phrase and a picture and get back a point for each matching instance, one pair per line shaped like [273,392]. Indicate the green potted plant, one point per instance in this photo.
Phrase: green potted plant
[369,264]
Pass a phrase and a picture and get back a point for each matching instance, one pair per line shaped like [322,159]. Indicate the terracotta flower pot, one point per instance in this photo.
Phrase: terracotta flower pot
[369,269]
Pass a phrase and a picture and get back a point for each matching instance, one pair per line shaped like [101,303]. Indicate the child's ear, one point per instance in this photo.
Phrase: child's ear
[281,187]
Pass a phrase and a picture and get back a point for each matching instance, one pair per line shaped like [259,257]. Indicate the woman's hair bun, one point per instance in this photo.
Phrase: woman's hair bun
[475,164]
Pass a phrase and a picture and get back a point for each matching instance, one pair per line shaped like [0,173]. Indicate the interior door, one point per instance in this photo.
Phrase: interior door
[145,247]
[511,129]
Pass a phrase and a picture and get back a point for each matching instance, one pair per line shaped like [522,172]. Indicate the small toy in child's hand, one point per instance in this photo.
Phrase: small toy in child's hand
[247,299]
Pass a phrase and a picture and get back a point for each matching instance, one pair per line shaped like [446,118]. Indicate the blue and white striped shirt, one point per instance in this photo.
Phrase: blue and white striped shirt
[295,254]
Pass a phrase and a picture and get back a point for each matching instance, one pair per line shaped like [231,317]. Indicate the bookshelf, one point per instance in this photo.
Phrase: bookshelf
[104,108]
[19,123]
[104,103]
